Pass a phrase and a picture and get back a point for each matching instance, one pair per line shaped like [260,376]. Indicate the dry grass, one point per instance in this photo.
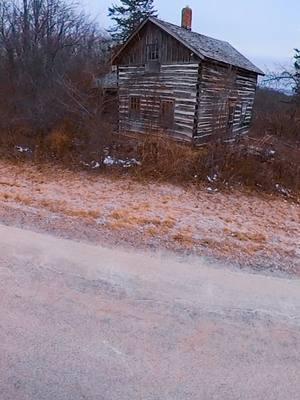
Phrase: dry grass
[50,205]
[228,224]
[246,236]
[59,142]
[133,218]
[184,238]
[248,163]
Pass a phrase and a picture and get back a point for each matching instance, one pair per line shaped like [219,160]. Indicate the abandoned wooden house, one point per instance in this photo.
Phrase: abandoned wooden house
[187,85]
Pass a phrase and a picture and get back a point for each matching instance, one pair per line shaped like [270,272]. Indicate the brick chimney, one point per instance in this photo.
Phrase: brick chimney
[187,16]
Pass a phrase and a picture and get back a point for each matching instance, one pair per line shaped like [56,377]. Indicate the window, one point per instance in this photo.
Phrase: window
[245,117]
[231,113]
[167,108]
[135,106]
[152,51]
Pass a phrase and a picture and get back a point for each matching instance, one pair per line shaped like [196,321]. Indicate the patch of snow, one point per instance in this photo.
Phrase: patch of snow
[108,161]
[131,163]
[101,221]
[22,149]
[282,190]
[211,190]
[95,164]
[213,178]
[111,161]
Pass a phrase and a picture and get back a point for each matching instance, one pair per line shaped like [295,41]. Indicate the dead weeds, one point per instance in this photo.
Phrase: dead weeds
[238,226]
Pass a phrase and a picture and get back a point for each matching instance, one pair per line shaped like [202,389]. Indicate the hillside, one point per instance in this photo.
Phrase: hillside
[258,231]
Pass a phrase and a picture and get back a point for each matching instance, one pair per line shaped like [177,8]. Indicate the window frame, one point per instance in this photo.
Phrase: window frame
[167,113]
[152,51]
[244,110]
[231,113]
[135,106]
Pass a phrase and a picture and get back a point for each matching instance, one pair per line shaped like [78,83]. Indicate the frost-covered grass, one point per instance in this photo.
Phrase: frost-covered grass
[238,226]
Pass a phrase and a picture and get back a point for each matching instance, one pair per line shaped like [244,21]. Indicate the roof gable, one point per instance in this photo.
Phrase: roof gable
[203,46]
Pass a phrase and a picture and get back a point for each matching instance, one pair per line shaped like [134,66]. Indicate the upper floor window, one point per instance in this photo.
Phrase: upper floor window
[152,51]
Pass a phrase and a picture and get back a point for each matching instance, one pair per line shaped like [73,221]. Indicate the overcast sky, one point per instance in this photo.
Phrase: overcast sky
[266,31]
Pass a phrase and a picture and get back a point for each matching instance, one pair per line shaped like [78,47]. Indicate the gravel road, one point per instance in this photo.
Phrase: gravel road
[84,322]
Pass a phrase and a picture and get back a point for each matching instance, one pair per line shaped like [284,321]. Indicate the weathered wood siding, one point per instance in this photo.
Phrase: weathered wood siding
[176,82]
[210,100]
[225,93]
[170,50]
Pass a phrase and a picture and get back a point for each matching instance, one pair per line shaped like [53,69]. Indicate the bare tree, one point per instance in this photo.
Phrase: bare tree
[49,53]
[286,79]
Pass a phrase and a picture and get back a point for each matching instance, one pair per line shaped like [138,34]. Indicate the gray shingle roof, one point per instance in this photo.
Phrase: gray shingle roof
[207,47]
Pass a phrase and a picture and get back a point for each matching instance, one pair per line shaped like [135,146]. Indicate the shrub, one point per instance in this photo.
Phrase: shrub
[162,158]
[60,142]
[258,164]
[276,114]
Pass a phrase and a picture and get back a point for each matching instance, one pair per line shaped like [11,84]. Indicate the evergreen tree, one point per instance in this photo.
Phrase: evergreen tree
[128,15]
[297,73]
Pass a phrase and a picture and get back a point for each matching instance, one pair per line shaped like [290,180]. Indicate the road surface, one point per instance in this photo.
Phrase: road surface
[85,322]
